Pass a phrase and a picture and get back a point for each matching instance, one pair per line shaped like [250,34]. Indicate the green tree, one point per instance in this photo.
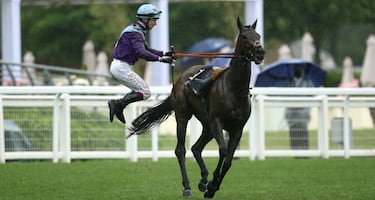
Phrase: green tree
[191,22]
[107,23]
[55,34]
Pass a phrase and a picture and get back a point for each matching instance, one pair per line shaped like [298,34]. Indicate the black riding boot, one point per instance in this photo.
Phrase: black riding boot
[116,106]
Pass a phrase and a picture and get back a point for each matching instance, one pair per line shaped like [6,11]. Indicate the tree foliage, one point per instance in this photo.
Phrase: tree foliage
[56,34]
[191,22]
[107,24]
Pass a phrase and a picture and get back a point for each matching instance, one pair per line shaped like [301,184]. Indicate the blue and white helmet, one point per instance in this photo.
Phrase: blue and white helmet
[148,11]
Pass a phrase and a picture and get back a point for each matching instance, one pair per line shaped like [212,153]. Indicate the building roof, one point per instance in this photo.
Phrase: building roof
[84,2]
[76,2]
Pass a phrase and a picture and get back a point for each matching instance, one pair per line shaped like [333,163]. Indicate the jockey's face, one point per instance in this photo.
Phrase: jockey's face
[151,23]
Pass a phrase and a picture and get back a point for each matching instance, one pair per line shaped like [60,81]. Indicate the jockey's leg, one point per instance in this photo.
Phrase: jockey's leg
[140,90]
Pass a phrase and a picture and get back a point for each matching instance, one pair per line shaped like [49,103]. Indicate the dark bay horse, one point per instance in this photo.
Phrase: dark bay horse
[226,106]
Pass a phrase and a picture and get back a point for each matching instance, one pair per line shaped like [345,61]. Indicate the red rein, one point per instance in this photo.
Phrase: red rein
[205,55]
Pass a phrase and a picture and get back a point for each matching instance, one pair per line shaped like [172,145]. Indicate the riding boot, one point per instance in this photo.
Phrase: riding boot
[117,106]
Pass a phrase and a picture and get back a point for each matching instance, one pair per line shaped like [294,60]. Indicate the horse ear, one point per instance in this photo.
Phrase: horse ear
[254,24]
[239,24]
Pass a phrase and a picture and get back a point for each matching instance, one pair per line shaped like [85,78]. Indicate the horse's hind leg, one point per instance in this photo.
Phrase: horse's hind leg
[180,152]
[197,149]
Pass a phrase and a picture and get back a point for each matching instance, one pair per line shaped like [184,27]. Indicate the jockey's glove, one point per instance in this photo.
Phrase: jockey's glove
[170,53]
[166,59]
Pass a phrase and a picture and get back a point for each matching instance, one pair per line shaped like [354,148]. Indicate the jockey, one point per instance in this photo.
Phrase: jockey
[129,48]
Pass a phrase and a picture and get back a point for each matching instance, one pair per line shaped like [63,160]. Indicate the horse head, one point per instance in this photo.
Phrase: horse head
[249,46]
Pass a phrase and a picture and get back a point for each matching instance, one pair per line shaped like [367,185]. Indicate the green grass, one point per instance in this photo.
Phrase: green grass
[119,179]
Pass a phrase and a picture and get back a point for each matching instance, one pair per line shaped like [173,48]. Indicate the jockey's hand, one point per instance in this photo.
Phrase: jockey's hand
[166,59]
[170,53]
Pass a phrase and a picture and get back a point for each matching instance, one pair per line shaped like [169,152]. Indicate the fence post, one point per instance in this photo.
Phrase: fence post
[132,142]
[261,133]
[253,128]
[323,138]
[154,145]
[65,134]
[346,128]
[55,134]
[2,132]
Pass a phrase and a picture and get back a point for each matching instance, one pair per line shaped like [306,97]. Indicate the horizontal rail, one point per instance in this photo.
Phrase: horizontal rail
[167,89]
[62,98]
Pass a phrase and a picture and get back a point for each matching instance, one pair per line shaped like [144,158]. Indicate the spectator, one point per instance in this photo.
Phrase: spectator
[298,118]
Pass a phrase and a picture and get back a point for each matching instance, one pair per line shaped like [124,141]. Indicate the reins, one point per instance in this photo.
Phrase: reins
[248,57]
[205,55]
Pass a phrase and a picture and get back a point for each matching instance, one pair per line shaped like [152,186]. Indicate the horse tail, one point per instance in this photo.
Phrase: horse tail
[151,118]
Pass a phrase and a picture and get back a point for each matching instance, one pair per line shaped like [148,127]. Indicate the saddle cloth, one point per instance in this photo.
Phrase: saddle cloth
[198,82]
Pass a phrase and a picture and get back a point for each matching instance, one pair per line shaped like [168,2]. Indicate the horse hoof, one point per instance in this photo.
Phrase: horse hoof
[202,187]
[187,194]
[209,195]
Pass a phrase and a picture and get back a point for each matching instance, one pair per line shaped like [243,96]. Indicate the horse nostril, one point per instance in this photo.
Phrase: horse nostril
[257,44]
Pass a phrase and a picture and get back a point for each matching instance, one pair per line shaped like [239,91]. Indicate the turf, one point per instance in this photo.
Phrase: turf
[284,178]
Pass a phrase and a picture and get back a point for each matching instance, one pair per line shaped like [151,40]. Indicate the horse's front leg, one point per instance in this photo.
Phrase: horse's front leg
[180,152]
[197,149]
[232,146]
[214,185]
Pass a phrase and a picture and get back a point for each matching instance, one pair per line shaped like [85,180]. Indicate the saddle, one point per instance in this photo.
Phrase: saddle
[198,82]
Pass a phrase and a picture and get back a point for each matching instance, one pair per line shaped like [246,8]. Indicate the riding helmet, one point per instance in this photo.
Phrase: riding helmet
[148,11]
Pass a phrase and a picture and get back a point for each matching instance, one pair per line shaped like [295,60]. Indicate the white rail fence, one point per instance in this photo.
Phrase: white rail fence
[64,131]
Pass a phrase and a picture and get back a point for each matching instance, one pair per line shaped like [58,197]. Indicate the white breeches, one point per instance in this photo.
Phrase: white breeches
[123,72]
